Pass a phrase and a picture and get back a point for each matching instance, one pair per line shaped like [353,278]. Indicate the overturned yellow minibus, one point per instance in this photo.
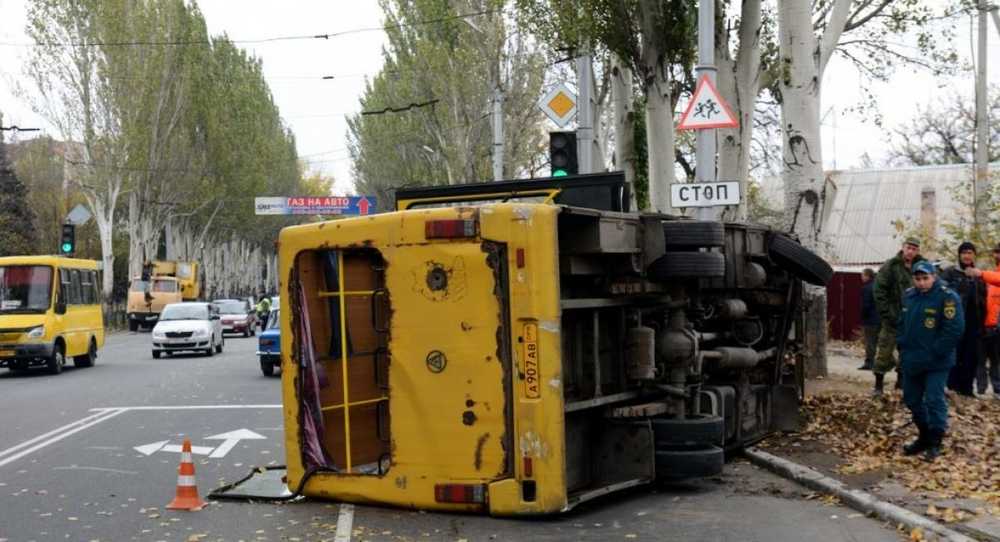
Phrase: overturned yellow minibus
[521,347]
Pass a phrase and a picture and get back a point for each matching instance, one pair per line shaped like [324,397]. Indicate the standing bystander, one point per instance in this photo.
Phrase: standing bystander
[991,333]
[972,291]
[930,326]
[869,318]
[892,280]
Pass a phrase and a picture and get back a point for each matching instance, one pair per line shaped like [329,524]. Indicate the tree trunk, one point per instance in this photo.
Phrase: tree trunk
[624,125]
[659,113]
[660,144]
[802,168]
[739,83]
[104,229]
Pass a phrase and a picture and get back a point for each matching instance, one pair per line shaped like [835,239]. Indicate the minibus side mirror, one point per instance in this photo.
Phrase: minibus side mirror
[60,307]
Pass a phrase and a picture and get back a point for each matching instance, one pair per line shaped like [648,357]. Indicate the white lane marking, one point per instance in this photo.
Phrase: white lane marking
[57,437]
[99,469]
[184,407]
[345,522]
[50,433]
[230,440]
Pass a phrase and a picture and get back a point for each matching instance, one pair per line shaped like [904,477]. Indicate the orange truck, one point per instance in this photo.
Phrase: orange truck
[167,282]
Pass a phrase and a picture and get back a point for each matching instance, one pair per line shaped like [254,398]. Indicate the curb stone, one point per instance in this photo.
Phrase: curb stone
[855,498]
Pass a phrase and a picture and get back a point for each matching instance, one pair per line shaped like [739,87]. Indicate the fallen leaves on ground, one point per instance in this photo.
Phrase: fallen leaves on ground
[869,434]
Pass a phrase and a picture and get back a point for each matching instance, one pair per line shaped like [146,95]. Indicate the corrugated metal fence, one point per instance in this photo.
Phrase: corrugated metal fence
[843,306]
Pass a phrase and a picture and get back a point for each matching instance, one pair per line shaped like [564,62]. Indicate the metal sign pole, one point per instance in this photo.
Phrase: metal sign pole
[584,114]
[705,150]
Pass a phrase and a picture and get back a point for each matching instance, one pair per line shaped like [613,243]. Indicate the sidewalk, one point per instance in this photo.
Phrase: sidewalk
[857,439]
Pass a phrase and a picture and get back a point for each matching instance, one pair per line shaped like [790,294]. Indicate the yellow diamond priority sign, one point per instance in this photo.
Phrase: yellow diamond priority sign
[559,104]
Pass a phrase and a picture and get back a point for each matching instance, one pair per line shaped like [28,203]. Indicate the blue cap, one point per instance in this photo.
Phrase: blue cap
[923,266]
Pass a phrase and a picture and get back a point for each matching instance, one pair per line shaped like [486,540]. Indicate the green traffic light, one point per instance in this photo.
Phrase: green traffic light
[66,247]
[560,173]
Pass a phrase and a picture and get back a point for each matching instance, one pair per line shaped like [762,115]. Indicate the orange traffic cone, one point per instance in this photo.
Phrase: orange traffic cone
[187,490]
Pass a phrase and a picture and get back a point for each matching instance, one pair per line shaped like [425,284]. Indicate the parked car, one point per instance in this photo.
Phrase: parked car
[238,316]
[269,344]
[190,327]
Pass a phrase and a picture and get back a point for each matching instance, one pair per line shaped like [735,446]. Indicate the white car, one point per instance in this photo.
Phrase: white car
[188,327]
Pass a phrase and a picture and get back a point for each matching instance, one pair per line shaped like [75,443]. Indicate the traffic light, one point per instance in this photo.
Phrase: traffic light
[562,153]
[67,241]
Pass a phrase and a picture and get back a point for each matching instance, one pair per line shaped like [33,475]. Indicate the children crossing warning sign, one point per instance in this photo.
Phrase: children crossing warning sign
[707,109]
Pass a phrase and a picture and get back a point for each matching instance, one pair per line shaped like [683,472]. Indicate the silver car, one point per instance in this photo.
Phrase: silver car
[188,327]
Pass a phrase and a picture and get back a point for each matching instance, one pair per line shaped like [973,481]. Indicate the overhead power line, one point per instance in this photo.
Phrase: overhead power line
[16,128]
[252,41]
[401,109]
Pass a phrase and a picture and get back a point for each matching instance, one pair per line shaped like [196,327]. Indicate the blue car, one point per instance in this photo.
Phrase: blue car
[269,345]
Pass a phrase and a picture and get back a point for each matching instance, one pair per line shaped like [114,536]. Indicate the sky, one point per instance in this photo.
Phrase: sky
[315,108]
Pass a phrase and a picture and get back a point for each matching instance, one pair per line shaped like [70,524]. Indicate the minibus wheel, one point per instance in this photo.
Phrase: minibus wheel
[88,359]
[692,265]
[676,465]
[57,360]
[697,430]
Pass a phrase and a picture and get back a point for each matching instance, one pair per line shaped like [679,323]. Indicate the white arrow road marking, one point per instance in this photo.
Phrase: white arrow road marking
[151,448]
[230,439]
[196,450]
[162,446]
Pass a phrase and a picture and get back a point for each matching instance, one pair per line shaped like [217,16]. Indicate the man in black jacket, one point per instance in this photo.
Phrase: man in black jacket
[869,318]
[972,290]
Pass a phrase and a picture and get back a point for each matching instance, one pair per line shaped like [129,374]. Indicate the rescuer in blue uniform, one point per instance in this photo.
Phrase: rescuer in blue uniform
[930,326]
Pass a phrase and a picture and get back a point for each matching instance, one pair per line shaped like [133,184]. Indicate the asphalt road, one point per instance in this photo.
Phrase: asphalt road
[70,470]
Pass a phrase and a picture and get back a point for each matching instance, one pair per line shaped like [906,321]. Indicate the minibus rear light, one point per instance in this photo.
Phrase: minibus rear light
[451,229]
[460,493]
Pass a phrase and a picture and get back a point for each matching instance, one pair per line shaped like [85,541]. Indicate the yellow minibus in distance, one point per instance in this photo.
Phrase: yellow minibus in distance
[50,309]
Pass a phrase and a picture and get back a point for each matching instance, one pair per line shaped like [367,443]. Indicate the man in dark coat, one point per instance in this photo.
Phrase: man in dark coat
[870,322]
[893,278]
[930,325]
[972,291]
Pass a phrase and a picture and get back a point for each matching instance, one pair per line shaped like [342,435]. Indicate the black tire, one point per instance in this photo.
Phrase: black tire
[693,234]
[688,265]
[222,342]
[267,367]
[246,332]
[156,354]
[210,351]
[57,360]
[133,325]
[674,465]
[698,431]
[799,260]
[88,359]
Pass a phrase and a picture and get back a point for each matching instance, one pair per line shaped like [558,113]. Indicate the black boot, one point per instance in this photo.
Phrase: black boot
[934,438]
[879,383]
[918,445]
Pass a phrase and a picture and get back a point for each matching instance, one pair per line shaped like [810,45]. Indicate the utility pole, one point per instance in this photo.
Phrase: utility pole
[705,149]
[497,133]
[981,183]
[584,113]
